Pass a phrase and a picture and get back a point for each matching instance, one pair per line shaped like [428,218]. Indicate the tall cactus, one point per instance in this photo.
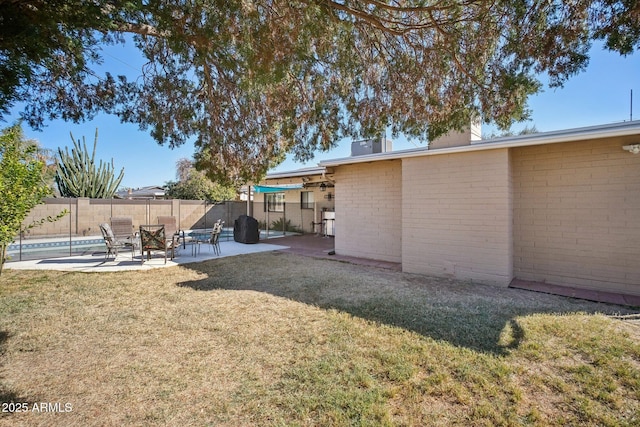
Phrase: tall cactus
[78,176]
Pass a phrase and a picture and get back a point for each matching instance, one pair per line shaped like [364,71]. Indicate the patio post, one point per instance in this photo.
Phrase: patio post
[248,199]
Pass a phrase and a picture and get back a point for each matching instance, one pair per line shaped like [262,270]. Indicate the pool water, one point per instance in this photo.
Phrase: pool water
[53,247]
[57,247]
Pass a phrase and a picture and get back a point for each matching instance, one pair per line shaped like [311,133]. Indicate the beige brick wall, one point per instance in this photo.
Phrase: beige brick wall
[577,215]
[456,216]
[369,210]
[52,208]
[192,214]
[86,214]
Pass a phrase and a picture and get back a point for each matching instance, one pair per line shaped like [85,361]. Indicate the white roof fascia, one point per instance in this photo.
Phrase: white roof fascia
[553,137]
[317,170]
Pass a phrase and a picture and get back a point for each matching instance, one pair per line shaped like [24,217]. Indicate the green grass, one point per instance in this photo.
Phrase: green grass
[277,339]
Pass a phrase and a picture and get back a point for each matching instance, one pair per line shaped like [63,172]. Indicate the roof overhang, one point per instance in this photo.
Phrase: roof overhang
[316,170]
[554,137]
[276,188]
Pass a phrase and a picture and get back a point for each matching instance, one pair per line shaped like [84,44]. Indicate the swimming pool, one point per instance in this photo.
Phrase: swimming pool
[54,247]
[63,246]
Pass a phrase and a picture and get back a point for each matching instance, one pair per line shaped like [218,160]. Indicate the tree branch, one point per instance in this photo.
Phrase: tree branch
[141,29]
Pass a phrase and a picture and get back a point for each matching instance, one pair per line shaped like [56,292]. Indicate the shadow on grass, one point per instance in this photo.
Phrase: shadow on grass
[479,317]
[7,396]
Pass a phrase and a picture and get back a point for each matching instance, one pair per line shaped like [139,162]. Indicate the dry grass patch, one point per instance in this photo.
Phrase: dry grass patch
[276,339]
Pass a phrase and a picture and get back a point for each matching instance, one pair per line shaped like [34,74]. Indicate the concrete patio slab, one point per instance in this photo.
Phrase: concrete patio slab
[306,245]
[323,247]
[97,263]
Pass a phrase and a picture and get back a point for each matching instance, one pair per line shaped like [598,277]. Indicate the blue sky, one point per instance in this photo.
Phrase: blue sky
[597,96]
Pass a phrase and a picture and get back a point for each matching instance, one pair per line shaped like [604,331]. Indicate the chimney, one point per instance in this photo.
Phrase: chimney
[470,135]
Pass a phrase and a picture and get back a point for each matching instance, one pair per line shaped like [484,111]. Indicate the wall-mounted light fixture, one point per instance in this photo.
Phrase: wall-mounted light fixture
[323,187]
[635,148]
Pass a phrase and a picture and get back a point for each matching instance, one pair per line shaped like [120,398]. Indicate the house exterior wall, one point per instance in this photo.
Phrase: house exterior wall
[457,216]
[576,215]
[298,217]
[369,210]
[301,218]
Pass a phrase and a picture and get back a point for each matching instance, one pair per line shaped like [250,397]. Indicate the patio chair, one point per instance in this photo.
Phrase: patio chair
[215,236]
[171,232]
[122,227]
[153,238]
[112,243]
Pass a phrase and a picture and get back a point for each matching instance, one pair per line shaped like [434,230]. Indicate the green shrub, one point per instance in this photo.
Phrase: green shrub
[284,225]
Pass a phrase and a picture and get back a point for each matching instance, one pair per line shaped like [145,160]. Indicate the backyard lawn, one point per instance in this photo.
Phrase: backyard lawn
[279,339]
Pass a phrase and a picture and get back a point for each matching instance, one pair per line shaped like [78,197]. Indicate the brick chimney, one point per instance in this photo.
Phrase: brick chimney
[470,135]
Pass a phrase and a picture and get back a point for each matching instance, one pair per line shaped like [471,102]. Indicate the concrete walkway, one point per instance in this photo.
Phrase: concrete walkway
[573,292]
[321,247]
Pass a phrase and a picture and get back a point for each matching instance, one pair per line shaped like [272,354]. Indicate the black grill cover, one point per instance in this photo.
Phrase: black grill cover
[245,230]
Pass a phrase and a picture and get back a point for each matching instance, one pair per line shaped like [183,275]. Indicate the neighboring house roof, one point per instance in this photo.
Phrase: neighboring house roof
[553,137]
[150,192]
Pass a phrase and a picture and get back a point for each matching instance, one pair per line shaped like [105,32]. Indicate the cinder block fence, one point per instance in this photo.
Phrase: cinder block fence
[86,214]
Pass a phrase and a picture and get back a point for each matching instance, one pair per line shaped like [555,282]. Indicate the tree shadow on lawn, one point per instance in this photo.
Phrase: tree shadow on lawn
[10,400]
[479,317]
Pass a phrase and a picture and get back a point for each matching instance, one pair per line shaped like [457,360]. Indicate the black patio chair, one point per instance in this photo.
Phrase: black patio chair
[153,238]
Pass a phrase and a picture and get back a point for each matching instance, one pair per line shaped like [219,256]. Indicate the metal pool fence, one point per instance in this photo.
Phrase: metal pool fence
[78,231]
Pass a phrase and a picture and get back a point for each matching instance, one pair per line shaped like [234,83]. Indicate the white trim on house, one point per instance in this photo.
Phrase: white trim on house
[553,137]
[315,170]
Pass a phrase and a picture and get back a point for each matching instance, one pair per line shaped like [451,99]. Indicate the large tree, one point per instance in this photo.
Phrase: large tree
[254,80]
[193,184]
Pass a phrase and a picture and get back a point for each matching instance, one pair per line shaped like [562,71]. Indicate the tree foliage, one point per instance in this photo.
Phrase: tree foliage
[77,174]
[195,185]
[253,80]
[22,185]
[527,130]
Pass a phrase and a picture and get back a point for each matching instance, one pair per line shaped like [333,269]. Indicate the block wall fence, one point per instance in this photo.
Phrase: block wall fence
[86,214]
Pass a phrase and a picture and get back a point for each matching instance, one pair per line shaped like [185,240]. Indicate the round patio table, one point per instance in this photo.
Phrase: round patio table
[195,239]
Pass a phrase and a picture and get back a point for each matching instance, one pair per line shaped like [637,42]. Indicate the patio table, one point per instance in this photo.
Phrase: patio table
[195,239]
[133,242]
